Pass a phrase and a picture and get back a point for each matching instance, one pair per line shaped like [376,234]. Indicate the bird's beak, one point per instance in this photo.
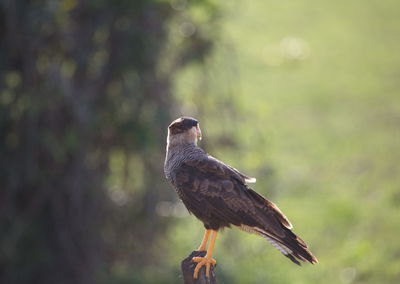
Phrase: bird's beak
[198,131]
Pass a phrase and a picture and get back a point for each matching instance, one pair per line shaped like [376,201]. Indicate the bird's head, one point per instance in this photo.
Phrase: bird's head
[184,130]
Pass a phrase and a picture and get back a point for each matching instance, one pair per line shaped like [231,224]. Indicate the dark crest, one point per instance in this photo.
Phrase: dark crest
[182,124]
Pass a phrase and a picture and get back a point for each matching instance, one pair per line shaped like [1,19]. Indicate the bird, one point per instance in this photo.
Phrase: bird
[219,196]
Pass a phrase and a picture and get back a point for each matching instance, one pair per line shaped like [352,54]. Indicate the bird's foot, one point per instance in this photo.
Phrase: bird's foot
[207,261]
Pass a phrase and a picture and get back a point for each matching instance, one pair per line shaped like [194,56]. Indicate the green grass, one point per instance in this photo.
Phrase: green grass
[316,97]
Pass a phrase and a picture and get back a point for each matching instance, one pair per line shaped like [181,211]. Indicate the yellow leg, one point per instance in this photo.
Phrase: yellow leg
[203,245]
[207,260]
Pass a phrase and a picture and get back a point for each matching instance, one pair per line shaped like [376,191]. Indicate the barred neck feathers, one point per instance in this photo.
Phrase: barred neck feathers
[176,155]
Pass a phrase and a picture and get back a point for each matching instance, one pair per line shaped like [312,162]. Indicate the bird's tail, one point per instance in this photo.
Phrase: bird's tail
[283,239]
[291,246]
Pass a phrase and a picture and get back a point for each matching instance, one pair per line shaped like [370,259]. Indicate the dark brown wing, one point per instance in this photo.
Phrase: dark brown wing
[222,169]
[217,195]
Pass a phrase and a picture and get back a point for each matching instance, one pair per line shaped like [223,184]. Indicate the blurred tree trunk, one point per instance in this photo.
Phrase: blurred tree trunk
[80,80]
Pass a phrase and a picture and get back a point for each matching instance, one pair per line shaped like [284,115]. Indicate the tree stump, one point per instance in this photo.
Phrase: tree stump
[188,266]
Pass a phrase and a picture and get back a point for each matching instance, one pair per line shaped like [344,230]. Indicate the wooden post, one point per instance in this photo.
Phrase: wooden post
[188,266]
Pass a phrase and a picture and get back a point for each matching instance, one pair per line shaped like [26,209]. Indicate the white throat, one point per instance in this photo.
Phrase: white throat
[187,137]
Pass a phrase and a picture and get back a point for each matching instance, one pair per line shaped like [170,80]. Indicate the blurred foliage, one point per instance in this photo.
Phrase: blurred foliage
[304,96]
[85,99]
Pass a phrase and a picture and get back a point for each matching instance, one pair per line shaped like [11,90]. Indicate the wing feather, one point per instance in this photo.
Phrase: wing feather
[218,195]
[222,191]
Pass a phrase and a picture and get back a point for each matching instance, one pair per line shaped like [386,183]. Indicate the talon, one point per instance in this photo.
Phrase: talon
[207,261]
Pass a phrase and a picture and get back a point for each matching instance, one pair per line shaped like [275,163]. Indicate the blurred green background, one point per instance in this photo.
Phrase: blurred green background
[304,95]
